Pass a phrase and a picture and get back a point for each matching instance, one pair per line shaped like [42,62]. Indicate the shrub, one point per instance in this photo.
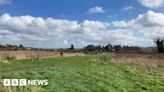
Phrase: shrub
[9,57]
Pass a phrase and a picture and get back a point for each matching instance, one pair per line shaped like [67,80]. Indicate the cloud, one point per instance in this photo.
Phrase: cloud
[37,31]
[147,26]
[149,19]
[127,8]
[152,3]
[58,33]
[112,16]
[96,9]
[3,2]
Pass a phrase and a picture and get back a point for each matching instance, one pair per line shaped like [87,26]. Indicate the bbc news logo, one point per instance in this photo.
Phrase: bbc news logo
[24,82]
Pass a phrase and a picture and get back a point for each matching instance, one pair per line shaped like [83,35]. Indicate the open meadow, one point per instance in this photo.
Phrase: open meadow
[108,72]
[81,45]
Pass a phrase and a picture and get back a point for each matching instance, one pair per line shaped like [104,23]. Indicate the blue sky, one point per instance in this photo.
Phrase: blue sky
[74,9]
[59,23]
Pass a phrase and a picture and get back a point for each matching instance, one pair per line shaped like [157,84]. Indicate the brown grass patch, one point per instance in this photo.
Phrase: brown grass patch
[35,54]
[146,60]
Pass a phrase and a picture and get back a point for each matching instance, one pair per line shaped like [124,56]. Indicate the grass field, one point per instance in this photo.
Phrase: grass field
[96,73]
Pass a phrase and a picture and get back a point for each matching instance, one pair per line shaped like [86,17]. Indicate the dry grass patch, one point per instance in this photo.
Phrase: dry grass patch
[145,60]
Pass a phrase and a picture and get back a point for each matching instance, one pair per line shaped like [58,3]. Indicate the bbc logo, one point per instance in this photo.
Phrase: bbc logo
[24,82]
[14,82]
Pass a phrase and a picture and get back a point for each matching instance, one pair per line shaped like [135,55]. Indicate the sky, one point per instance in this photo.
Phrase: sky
[60,23]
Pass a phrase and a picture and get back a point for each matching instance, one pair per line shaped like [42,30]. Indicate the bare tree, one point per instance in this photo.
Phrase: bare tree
[160,45]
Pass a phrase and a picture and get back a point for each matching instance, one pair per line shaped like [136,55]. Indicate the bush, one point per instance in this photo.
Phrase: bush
[9,57]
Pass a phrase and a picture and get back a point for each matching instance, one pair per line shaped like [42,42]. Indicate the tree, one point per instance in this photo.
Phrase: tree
[117,47]
[93,48]
[160,45]
[72,47]
[109,47]
[21,46]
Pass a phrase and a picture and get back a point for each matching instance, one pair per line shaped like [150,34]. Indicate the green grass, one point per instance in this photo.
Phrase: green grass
[82,74]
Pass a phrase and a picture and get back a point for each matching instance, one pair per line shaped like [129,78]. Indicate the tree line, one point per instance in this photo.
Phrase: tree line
[111,48]
[95,48]
[118,48]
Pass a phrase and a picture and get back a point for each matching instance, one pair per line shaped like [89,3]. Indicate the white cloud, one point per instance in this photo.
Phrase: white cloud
[2,2]
[50,32]
[152,3]
[149,26]
[119,23]
[96,9]
[150,19]
[127,8]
